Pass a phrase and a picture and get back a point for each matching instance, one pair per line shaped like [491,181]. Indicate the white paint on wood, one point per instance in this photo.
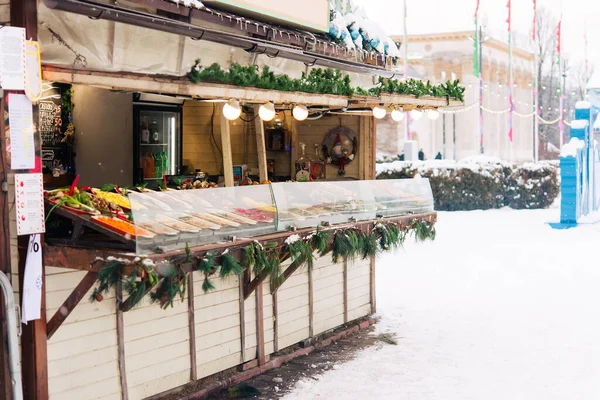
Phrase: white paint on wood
[211,367]
[91,391]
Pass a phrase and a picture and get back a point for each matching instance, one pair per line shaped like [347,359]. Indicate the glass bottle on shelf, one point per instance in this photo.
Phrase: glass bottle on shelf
[158,165]
[302,166]
[149,166]
[154,131]
[165,163]
[145,132]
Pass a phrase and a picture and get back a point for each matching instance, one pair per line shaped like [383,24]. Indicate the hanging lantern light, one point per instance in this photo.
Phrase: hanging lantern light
[379,112]
[433,114]
[300,112]
[398,114]
[416,114]
[266,112]
[232,110]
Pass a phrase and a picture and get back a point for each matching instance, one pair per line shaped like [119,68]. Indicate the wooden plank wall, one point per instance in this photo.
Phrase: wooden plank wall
[359,289]
[4,12]
[218,334]
[157,348]
[328,283]
[82,354]
[293,312]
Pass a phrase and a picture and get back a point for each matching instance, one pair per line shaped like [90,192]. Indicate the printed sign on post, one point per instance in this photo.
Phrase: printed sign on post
[29,202]
[12,58]
[20,118]
[32,281]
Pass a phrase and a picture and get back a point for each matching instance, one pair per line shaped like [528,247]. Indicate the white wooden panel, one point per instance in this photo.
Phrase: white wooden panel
[206,368]
[297,278]
[84,377]
[288,328]
[228,335]
[359,302]
[217,311]
[218,351]
[250,328]
[73,330]
[361,291]
[358,281]
[87,310]
[359,312]
[156,356]
[154,376]
[299,313]
[69,365]
[216,325]
[157,386]
[268,319]
[203,300]
[293,338]
[81,345]
[293,303]
[156,341]
[91,391]
[67,281]
[327,324]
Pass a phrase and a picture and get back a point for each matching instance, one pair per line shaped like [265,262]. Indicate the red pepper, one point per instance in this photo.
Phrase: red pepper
[186,181]
[86,188]
[118,189]
[165,181]
[245,182]
[73,186]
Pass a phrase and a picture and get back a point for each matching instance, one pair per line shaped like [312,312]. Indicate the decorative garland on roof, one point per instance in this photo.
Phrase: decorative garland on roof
[261,259]
[319,80]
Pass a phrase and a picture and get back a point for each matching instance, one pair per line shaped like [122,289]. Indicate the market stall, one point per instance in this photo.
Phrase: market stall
[214,218]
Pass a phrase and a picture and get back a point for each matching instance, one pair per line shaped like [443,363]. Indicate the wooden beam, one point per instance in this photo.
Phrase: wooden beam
[372,292]
[242,304]
[275,323]
[226,147]
[176,85]
[345,278]
[34,339]
[71,302]
[260,326]
[261,147]
[192,327]
[289,271]
[311,304]
[121,345]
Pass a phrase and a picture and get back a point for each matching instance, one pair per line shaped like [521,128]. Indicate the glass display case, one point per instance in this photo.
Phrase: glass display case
[309,204]
[170,220]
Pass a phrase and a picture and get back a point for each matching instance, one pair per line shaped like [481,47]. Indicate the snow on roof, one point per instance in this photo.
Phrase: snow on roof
[570,149]
[594,82]
[582,104]
[579,124]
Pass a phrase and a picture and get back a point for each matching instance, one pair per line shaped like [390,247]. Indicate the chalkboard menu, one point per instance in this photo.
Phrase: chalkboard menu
[49,117]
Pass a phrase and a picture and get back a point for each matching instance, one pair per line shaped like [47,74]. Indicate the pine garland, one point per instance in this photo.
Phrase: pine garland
[319,80]
[262,259]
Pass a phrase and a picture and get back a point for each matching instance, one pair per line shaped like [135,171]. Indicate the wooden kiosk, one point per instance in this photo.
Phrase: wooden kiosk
[231,310]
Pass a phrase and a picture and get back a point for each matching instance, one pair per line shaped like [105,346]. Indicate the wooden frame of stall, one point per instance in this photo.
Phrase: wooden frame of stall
[36,334]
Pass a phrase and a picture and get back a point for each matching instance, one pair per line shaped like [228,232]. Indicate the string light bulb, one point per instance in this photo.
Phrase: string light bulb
[416,114]
[300,112]
[379,112]
[398,114]
[433,114]
[266,112]
[232,110]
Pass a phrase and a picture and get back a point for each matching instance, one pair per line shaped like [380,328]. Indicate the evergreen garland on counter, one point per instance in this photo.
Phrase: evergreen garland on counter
[319,80]
[262,259]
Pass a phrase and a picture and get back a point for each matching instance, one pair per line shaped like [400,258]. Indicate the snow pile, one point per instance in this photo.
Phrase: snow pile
[499,314]
[572,148]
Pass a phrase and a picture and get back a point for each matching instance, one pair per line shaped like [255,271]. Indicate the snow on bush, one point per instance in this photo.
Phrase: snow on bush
[481,183]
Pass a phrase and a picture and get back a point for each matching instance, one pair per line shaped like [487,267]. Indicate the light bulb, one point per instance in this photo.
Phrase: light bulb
[379,112]
[266,112]
[416,114]
[398,115]
[232,110]
[300,112]
[433,114]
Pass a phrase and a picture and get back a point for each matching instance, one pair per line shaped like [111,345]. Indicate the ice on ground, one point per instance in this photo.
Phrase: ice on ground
[499,307]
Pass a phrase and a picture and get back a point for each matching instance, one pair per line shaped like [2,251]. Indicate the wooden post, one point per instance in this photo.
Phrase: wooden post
[34,339]
[243,319]
[275,323]
[364,147]
[121,344]
[260,326]
[345,274]
[5,259]
[192,326]
[261,148]
[311,314]
[226,145]
[372,291]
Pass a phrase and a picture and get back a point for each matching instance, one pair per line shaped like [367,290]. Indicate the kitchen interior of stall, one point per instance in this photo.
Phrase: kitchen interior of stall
[114,133]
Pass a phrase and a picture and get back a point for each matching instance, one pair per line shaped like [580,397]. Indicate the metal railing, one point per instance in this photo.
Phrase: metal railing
[13,325]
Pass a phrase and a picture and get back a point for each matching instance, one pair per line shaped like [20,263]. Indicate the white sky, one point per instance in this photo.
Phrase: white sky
[432,16]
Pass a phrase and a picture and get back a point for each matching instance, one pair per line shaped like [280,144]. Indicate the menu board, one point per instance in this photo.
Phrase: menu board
[29,199]
[49,120]
[22,146]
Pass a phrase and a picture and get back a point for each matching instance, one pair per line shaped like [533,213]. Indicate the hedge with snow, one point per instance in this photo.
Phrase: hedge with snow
[481,183]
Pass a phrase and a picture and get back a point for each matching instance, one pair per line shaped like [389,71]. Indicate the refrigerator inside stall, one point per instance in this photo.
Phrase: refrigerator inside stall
[157,139]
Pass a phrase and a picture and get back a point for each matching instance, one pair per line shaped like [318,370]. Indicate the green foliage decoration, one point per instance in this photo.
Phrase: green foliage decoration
[319,80]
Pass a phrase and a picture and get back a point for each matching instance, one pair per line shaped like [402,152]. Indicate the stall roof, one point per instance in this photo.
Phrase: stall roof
[132,82]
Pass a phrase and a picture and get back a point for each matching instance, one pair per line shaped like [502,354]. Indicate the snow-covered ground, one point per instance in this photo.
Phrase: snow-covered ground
[499,307]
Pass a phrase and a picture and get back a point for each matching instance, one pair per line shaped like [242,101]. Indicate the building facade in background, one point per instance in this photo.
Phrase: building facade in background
[455,134]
